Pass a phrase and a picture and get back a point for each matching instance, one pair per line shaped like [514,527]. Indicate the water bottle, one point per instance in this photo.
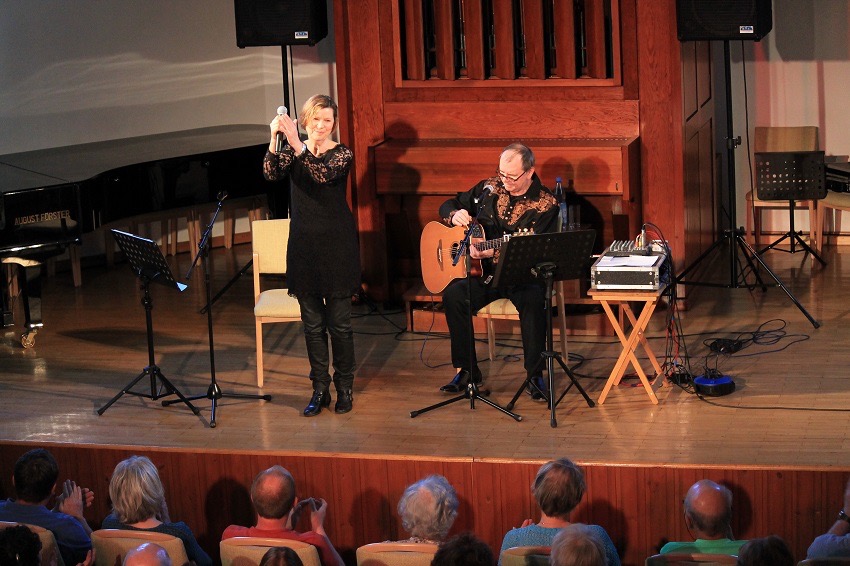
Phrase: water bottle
[562,204]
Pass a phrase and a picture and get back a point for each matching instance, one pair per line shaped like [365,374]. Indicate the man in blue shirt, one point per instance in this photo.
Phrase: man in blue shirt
[708,517]
[34,480]
[836,541]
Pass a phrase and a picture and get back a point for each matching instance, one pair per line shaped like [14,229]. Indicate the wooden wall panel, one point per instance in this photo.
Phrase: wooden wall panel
[639,506]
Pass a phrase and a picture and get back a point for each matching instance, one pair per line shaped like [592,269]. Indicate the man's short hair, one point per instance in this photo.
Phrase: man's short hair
[463,550]
[35,475]
[558,487]
[524,153]
[577,545]
[712,525]
[428,508]
[19,545]
[769,550]
[273,493]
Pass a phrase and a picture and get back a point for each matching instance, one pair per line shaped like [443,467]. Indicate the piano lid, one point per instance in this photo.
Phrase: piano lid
[77,163]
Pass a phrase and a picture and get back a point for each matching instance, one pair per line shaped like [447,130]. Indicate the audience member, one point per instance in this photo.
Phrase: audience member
[428,508]
[34,481]
[138,503]
[558,489]
[578,545]
[278,511]
[281,556]
[147,554]
[19,546]
[463,550]
[708,517]
[768,551]
[836,541]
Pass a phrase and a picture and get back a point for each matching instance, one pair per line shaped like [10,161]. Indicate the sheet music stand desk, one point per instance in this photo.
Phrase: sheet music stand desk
[636,337]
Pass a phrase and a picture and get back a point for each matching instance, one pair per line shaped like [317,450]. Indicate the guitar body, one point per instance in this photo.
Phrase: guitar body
[437,249]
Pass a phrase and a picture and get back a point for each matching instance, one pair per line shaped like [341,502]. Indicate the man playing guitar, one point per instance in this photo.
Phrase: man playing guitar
[511,202]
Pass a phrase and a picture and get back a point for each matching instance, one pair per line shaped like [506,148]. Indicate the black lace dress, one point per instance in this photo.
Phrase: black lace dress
[323,257]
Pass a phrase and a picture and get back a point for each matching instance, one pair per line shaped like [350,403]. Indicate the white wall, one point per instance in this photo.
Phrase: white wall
[798,75]
[87,70]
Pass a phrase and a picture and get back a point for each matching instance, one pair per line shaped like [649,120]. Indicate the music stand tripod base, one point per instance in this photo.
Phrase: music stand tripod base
[547,258]
[147,262]
[471,393]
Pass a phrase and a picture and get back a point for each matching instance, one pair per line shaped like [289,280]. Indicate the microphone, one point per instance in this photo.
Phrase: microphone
[281,111]
[487,190]
[221,195]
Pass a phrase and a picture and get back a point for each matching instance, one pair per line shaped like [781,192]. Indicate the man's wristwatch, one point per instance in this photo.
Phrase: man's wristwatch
[843,516]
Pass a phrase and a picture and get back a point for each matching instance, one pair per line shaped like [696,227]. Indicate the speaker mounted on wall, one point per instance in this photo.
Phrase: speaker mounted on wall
[280,22]
[699,20]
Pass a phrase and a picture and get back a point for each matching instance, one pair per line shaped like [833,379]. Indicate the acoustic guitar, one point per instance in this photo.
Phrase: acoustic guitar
[438,247]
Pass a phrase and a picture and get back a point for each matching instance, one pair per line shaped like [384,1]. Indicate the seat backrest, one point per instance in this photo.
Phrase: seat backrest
[112,545]
[835,561]
[269,240]
[49,554]
[248,551]
[685,559]
[525,556]
[396,554]
[786,138]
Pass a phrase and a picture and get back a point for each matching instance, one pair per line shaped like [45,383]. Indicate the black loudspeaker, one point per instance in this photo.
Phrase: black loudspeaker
[723,19]
[280,22]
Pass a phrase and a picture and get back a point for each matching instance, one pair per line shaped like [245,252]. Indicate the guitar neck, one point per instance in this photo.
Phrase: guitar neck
[492,244]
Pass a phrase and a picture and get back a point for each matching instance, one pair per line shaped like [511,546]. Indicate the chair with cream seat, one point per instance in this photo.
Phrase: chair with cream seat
[49,554]
[396,554]
[683,559]
[525,556]
[112,545]
[834,202]
[249,551]
[773,139]
[270,238]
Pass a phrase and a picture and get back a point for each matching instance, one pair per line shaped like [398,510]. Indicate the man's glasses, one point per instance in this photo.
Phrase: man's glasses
[506,177]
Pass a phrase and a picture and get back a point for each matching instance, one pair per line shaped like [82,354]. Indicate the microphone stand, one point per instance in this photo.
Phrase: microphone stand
[472,390]
[214,392]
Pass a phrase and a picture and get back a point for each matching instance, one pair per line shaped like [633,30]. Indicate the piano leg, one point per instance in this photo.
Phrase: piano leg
[29,282]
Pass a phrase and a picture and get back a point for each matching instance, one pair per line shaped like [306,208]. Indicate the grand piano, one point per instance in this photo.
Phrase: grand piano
[50,198]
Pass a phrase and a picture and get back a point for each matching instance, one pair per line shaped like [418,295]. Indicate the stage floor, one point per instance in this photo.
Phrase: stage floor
[790,407]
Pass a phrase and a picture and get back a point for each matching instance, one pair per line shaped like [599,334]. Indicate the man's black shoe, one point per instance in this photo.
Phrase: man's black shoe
[317,401]
[344,401]
[459,382]
[538,388]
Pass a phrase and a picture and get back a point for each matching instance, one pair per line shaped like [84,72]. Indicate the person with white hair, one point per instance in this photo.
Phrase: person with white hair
[147,554]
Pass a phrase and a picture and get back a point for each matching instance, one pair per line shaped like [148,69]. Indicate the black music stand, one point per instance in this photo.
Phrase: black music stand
[791,176]
[148,264]
[556,256]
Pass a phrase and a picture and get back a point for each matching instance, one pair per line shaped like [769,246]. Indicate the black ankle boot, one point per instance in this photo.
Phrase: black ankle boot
[344,401]
[317,401]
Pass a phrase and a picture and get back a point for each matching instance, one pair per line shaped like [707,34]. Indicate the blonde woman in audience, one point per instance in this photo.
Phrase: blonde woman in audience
[577,545]
[558,489]
[138,504]
[428,509]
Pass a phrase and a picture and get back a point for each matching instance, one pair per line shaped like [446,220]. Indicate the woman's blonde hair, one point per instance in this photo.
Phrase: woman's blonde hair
[136,491]
[313,105]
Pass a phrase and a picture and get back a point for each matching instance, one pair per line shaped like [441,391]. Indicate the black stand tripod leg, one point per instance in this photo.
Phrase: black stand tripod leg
[471,394]
[781,285]
[181,398]
[573,381]
[126,389]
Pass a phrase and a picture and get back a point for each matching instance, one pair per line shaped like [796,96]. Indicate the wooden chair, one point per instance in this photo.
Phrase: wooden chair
[112,545]
[684,559]
[503,309]
[396,554]
[831,203]
[270,238]
[249,551]
[797,138]
[525,556]
[49,554]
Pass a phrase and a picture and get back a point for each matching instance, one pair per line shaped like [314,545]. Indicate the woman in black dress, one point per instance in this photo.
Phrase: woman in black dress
[323,257]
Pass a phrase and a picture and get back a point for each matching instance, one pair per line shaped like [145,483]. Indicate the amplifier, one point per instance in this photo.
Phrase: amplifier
[636,272]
